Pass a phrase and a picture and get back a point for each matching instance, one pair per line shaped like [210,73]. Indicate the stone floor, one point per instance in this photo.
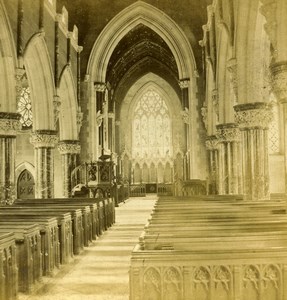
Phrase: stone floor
[101,271]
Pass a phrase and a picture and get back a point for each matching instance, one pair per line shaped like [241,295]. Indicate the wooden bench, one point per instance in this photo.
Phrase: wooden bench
[49,238]
[28,253]
[8,267]
[64,224]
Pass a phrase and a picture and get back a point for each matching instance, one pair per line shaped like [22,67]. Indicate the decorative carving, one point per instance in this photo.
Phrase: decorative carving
[185,115]
[253,115]
[222,275]
[271,275]
[69,147]
[10,123]
[212,143]
[57,105]
[228,132]
[184,83]
[152,281]
[100,87]
[279,80]
[202,276]
[44,138]
[251,275]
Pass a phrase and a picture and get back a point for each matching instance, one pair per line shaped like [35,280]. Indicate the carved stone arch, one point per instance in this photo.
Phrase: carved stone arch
[146,14]
[172,280]
[69,105]
[152,283]
[27,168]
[7,64]
[272,274]
[39,71]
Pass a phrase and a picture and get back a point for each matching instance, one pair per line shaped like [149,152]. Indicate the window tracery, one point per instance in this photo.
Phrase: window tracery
[24,107]
[151,127]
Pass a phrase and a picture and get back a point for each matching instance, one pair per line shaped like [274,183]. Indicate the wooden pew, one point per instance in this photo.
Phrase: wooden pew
[8,267]
[28,252]
[96,209]
[49,238]
[64,224]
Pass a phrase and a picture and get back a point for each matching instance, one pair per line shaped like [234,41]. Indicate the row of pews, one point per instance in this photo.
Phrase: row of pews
[212,248]
[38,236]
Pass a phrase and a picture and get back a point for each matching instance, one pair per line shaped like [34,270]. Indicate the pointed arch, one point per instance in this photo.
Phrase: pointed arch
[146,14]
[68,111]
[41,81]
[7,64]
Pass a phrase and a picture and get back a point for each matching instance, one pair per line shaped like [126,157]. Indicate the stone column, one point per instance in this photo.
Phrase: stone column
[279,86]
[9,124]
[100,89]
[69,150]
[229,159]
[253,120]
[44,142]
[212,148]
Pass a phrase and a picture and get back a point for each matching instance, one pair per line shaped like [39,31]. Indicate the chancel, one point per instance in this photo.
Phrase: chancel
[143,149]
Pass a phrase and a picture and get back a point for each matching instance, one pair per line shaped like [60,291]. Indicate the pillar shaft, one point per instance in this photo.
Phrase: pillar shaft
[9,124]
[69,151]
[228,163]
[253,120]
[213,178]
[44,142]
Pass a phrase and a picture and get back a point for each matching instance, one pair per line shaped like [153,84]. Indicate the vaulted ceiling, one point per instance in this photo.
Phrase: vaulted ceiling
[141,50]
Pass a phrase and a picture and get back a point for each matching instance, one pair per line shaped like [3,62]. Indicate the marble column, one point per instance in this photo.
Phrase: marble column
[279,86]
[44,142]
[9,125]
[212,148]
[253,120]
[229,167]
[69,150]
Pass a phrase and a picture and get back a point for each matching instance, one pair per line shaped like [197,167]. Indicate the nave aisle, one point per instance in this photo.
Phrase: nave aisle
[101,271]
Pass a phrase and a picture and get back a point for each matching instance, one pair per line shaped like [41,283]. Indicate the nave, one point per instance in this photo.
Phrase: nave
[101,271]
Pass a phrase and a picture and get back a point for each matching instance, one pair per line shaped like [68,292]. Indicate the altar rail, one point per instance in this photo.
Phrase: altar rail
[137,190]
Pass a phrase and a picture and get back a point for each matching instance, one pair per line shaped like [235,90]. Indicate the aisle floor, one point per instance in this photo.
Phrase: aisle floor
[101,271]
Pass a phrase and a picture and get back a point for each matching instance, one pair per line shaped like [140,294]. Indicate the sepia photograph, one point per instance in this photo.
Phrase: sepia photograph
[143,149]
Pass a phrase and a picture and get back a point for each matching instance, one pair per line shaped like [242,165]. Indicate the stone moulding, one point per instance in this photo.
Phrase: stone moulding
[44,138]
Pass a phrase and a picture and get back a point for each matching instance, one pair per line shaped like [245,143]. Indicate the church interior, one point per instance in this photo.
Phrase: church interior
[143,149]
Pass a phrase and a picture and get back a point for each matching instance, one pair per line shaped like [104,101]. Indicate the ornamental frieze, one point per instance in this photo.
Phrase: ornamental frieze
[47,139]
[69,147]
[10,126]
[253,115]
[228,133]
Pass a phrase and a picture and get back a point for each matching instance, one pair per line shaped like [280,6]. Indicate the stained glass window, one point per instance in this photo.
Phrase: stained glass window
[274,146]
[151,127]
[25,108]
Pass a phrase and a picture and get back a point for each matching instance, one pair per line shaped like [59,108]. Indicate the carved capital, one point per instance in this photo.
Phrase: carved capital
[253,115]
[69,147]
[211,142]
[185,115]
[228,132]
[9,123]
[279,80]
[44,138]
[100,86]
[184,83]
